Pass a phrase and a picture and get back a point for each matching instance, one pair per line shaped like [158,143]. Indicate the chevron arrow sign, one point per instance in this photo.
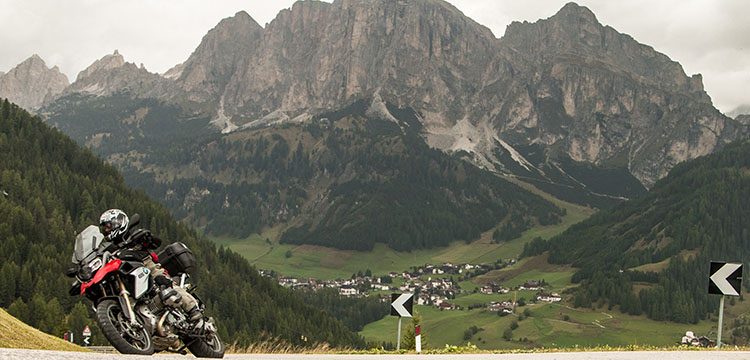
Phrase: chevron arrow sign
[402,304]
[725,279]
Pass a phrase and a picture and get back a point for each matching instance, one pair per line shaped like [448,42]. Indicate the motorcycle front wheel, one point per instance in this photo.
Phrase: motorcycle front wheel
[124,336]
[208,347]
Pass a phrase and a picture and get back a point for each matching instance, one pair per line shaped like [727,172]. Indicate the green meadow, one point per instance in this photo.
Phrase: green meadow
[549,325]
[264,251]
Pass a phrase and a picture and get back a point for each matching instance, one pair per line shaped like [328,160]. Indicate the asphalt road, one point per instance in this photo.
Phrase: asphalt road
[20,354]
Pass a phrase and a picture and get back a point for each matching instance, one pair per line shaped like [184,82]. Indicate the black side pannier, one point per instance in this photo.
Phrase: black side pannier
[176,258]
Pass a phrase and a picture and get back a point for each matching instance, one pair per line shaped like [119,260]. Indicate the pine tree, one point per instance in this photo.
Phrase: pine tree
[408,340]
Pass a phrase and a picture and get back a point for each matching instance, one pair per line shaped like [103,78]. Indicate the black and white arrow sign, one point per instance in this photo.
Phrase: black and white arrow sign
[726,278]
[402,304]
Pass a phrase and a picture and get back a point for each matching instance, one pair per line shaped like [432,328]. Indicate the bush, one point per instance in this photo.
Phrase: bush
[507,334]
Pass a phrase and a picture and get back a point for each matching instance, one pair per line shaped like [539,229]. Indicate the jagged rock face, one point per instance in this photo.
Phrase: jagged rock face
[566,82]
[598,96]
[111,74]
[579,90]
[318,55]
[204,76]
[31,83]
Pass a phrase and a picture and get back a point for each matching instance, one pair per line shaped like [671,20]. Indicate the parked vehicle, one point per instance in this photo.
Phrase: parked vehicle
[700,341]
[128,309]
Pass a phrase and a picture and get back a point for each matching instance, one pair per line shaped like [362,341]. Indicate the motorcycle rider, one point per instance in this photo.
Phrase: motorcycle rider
[114,223]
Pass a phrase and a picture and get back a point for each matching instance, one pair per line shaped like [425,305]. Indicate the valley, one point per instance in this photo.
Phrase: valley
[265,252]
[560,186]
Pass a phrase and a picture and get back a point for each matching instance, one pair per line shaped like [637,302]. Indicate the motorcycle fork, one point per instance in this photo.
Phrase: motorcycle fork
[125,296]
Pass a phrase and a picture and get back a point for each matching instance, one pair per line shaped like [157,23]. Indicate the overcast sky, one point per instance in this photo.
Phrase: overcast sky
[711,37]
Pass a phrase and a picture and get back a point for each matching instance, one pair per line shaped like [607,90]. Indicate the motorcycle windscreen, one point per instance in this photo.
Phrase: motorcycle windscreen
[86,242]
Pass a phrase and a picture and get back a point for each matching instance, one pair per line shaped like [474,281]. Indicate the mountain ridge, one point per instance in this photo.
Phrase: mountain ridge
[517,90]
[565,103]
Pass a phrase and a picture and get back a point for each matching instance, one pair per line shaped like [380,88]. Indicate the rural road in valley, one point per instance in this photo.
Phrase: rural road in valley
[19,354]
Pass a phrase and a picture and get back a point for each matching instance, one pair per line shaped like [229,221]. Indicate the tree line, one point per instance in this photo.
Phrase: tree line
[371,180]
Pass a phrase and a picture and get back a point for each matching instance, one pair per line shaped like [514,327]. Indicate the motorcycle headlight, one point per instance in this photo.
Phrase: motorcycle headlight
[95,264]
[87,272]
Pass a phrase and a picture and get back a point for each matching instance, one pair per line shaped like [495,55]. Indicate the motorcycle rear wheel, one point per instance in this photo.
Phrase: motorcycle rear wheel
[125,337]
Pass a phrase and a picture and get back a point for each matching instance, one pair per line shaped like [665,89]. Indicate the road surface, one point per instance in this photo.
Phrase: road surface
[20,354]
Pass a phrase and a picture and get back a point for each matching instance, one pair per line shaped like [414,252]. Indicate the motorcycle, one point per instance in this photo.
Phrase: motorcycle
[125,299]
[699,341]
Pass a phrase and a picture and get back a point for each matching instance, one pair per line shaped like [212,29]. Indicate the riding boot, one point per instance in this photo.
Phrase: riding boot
[195,314]
[169,296]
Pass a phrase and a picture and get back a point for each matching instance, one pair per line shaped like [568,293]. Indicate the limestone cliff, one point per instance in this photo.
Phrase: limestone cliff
[558,93]
[31,83]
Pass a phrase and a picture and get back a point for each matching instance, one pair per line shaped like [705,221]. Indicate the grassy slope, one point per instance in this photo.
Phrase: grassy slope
[15,334]
[550,325]
[328,263]
[546,327]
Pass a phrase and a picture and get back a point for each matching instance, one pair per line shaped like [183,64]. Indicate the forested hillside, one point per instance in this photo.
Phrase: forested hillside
[662,243]
[346,179]
[50,188]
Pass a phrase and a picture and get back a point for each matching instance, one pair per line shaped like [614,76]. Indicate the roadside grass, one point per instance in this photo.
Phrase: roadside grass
[15,334]
[279,346]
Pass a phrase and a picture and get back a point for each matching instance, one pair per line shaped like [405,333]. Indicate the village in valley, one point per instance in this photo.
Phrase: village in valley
[432,285]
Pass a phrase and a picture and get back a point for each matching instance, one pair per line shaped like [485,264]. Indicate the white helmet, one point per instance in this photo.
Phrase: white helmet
[113,223]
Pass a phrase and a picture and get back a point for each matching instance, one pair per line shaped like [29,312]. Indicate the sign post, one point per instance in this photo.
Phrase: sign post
[418,341]
[401,306]
[398,340]
[86,335]
[725,280]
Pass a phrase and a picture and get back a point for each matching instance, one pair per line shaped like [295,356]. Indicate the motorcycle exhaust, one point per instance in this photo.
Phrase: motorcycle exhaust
[160,325]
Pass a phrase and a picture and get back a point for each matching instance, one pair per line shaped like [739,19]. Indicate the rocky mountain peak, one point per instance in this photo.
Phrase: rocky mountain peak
[317,55]
[34,60]
[108,62]
[111,74]
[573,12]
[574,36]
[205,74]
[31,83]
[562,89]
